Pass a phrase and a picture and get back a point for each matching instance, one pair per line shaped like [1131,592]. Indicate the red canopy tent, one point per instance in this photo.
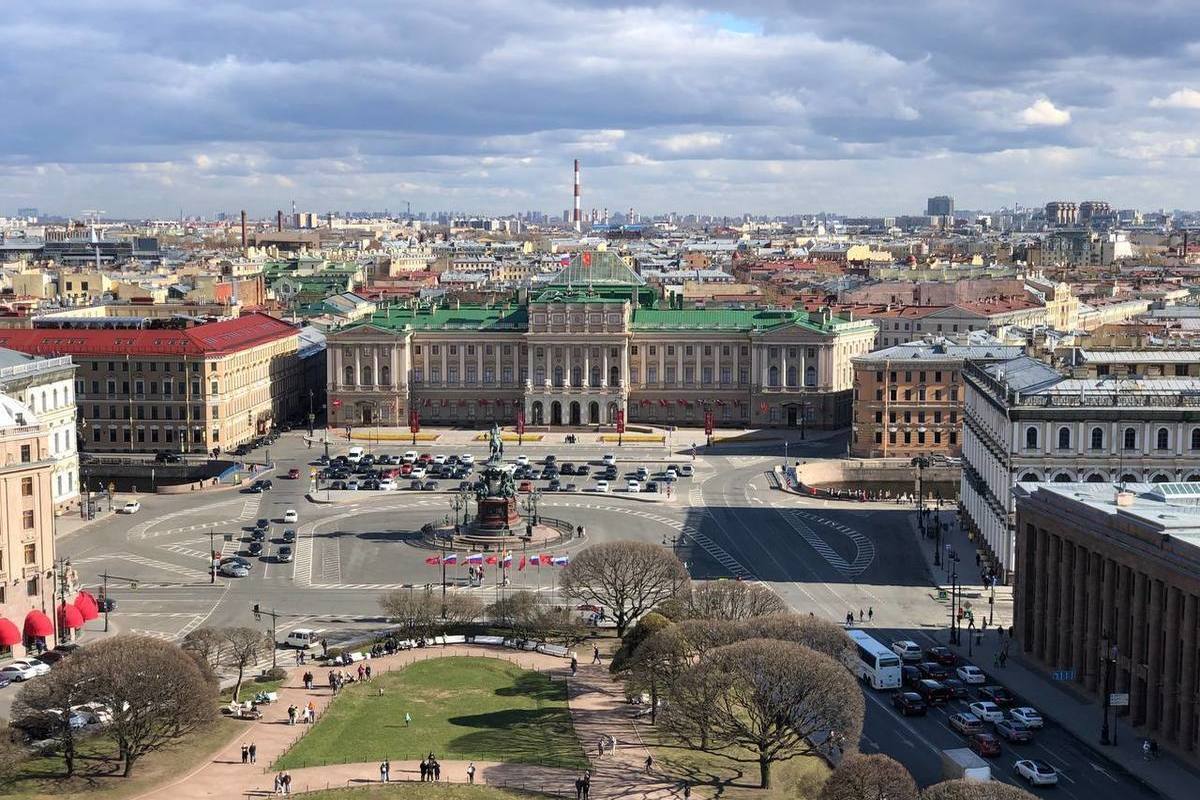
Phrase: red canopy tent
[38,625]
[87,606]
[9,635]
[69,616]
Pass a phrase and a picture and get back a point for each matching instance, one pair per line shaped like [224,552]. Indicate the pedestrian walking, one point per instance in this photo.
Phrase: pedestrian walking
[252,751]
[291,715]
[595,654]
[860,615]
[407,719]
[245,754]
[574,666]
[361,671]
[424,770]
[287,783]
[600,747]
[382,772]
[870,613]
[687,791]
[579,788]
[437,770]
[324,647]
[649,763]
[471,772]
[587,783]
[278,784]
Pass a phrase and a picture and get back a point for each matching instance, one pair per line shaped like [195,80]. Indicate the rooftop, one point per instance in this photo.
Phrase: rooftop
[941,351]
[498,318]
[597,268]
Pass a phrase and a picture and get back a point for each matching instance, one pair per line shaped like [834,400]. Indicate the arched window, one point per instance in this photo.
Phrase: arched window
[349,376]
[773,376]
[385,376]
[1030,477]
[1162,439]
[614,376]
[1097,438]
[1064,438]
[1096,477]
[1062,477]
[1196,438]
[558,376]
[56,398]
[810,376]
[1130,439]
[1129,478]
[1031,438]
[368,376]
[1160,477]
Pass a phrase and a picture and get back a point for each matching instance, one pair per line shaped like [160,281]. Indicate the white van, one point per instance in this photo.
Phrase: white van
[355,453]
[908,651]
[302,638]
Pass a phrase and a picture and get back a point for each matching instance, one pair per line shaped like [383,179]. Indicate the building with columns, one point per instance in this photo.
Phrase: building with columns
[1108,587]
[1025,422]
[596,340]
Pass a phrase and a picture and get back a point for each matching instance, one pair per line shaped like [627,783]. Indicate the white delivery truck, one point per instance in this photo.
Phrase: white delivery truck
[962,763]
[302,638]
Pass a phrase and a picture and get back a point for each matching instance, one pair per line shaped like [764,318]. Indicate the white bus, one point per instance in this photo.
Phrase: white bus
[875,662]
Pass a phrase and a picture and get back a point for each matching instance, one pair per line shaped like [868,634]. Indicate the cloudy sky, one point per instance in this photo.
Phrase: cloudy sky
[144,107]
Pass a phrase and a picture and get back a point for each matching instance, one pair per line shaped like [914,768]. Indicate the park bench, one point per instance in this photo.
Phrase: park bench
[498,641]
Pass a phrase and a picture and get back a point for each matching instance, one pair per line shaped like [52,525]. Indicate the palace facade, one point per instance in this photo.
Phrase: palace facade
[595,341]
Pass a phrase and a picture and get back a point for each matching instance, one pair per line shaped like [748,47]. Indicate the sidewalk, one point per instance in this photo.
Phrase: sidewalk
[596,703]
[1063,702]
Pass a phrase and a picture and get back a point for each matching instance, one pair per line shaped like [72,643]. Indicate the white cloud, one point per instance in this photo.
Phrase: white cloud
[1043,112]
[682,143]
[1180,98]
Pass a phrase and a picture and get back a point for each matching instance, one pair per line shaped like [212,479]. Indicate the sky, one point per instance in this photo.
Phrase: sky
[150,107]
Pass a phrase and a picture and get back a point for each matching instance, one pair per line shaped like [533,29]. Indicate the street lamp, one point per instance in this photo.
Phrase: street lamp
[922,463]
[531,503]
[459,502]
[672,540]
[311,417]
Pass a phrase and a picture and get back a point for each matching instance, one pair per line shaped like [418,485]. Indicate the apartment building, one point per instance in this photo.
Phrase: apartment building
[47,387]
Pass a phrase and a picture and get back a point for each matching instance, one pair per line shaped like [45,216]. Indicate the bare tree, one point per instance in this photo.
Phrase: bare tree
[658,662]
[243,647]
[560,625]
[819,634]
[626,578]
[733,600]
[11,751]
[155,692]
[206,644]
[415,613]
[462,609]
[704,635]
[870,777]
[42,708]
[772,696]
[518,612]
[975,790]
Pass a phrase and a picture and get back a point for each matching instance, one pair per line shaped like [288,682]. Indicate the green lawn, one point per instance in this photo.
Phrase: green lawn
[462,708]
[421,791]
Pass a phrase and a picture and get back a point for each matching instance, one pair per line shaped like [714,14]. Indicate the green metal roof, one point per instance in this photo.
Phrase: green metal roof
[496,318]
[724,319]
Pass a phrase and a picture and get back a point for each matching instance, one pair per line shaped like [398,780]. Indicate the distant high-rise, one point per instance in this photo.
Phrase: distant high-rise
[1093,209]
[940,206]
[1061,212]
[30,213]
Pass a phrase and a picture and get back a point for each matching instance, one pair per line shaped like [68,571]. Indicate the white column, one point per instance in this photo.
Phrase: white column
[499,371]
[375,365]
[357,367]
[662,363]
[716,368]
[604,366]
[425,362]
[679,364]
[445,361]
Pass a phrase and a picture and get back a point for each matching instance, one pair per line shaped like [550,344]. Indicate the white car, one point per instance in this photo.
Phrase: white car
[233,569]
[601,486]
[387,485]
[1028,716]
[440,458]
[132,507]
[417,472]
[672,470]
[352,486]
[522,461]
[1037,772]
[632,485]
[986,711]
[466,458]
[410,456]
[21,671]
[971,674]
[290,516]
[609,460]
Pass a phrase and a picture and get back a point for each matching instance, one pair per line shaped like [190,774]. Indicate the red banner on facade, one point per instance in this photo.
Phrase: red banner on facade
[620,421]
[708,423]
[414,421]
[520,423]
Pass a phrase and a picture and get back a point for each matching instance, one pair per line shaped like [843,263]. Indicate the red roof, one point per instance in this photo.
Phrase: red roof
[210,339]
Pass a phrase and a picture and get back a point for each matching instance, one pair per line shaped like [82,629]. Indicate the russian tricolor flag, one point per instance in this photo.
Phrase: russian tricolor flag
[450,559]
[507,561]
[475,558]
[535,561]
[560,561]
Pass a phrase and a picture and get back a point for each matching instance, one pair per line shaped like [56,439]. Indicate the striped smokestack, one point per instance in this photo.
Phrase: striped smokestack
[578,218]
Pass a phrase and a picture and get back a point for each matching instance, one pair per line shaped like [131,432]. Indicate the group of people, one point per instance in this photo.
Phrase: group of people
[870,615]
[306,714]
[606,743]
[249,753]
[583,785]
[339,678]
[283,783]
[431,770]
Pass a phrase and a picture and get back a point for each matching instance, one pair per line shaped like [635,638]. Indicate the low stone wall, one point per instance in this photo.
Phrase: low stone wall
[865,472]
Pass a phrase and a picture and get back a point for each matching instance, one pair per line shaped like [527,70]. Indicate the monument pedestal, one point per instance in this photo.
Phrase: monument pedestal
[496,515]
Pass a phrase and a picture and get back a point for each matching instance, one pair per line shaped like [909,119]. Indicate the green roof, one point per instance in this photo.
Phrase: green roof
[600,268]
[726,319]
[496,318]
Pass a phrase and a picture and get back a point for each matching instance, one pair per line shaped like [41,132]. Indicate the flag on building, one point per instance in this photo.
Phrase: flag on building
[451,559]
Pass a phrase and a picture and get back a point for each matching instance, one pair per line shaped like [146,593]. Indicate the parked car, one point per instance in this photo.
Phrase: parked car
[466,458]
[609,460]
[632,485]
[23,670]
[966,724]
[601,486]
[430,486]
[416,484]
[1027,716]
[293,473]
[262,523]
[255,548]
[971,675]
[568,468]
[525,487]
[1014,731]
[284,554]
[387,485]
[909,703]
[1037,772]
[289,536]
[985,744]
[258,535]
[651,486]
[641,473]
[522,461]
[986,710]
[132,507]
[686,471]
[417,472]
[998,695]
[554,485]
[290,516]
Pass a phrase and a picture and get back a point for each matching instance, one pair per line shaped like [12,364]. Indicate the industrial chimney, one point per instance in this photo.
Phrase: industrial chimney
[578,219]
[243,232]
[279,221]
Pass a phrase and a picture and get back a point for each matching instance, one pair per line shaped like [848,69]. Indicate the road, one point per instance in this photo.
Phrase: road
[727,522]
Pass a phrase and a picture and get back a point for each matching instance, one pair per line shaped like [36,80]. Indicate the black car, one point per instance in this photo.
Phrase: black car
[547,474]
[933,692]
[289,536]
[106,604]
[415,484]
[583,469]
[998,695]
[911,676]
[957,688]
[253,488]
[941,655]
[551,459]
[430,486]
[263,523]
[909,703]
[266,485]
[554,485]
[465,486]
[284,554]
[255,548]
[649,486]
[322,459]
[934,670]
[259,535]
[568,468]
[166,457]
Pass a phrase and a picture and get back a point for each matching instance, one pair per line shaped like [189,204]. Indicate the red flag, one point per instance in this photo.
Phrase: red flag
[763,407]
[545,560]
[490,560]
[433,561]
[587,259]
[522,564]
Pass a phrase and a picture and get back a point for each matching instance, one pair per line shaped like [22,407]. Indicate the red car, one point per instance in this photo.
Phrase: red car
[406,469]
[293,473]
[525,486]
[985,744]
[426,458]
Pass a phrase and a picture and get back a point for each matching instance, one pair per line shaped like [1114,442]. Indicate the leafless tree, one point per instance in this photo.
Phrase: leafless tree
[42,708]
[869,777]
[243,648]
[771,697]
[206,644]
[155,692]
[658,662]
[626,578]
[818,634]
[560,625]
[975,790]
[704,635]
[416,613]
[518,612]
[11,751]
[733,600]
[462,609]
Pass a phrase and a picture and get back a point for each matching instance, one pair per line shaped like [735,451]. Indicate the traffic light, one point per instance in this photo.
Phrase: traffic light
[257,614]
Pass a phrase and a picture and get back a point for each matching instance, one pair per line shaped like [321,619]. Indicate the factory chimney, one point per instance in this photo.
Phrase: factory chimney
[279,220]
[243,231]
[578,219]
[331,219]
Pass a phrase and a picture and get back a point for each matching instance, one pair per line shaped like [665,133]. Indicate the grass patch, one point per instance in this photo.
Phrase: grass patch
[462,708]
[632,437]
[422,791]
[510,437]
[98,772]
[250,687]
[736,780]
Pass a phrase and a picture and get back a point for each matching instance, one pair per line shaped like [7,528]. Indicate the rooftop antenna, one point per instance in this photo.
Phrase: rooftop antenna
[93,214]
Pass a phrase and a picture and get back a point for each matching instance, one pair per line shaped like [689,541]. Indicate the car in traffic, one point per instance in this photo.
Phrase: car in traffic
[293,473]
[264,484]
[908,651]
[1037,772]
[986,710]
[998,695]
[686,471]
[641,473]
[985,744]
[933,692]
[910,676]
[1027,716]
[289,536]
[609,460]
[971,675]
[522,461]
[957,688]
[909,703]
[601,486]
[291,516]
[941,655]
[234,569]
[1014,731]
[132,507]
[934,670]
[966,724]
[550,459]
[284,554]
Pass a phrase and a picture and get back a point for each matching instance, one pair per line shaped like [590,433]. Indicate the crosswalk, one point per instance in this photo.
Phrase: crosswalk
[864,547]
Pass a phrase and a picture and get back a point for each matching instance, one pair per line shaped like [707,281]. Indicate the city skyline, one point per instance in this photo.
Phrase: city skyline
[699,107]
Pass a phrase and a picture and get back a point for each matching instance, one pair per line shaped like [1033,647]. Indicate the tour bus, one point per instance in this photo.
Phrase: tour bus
[875,662]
